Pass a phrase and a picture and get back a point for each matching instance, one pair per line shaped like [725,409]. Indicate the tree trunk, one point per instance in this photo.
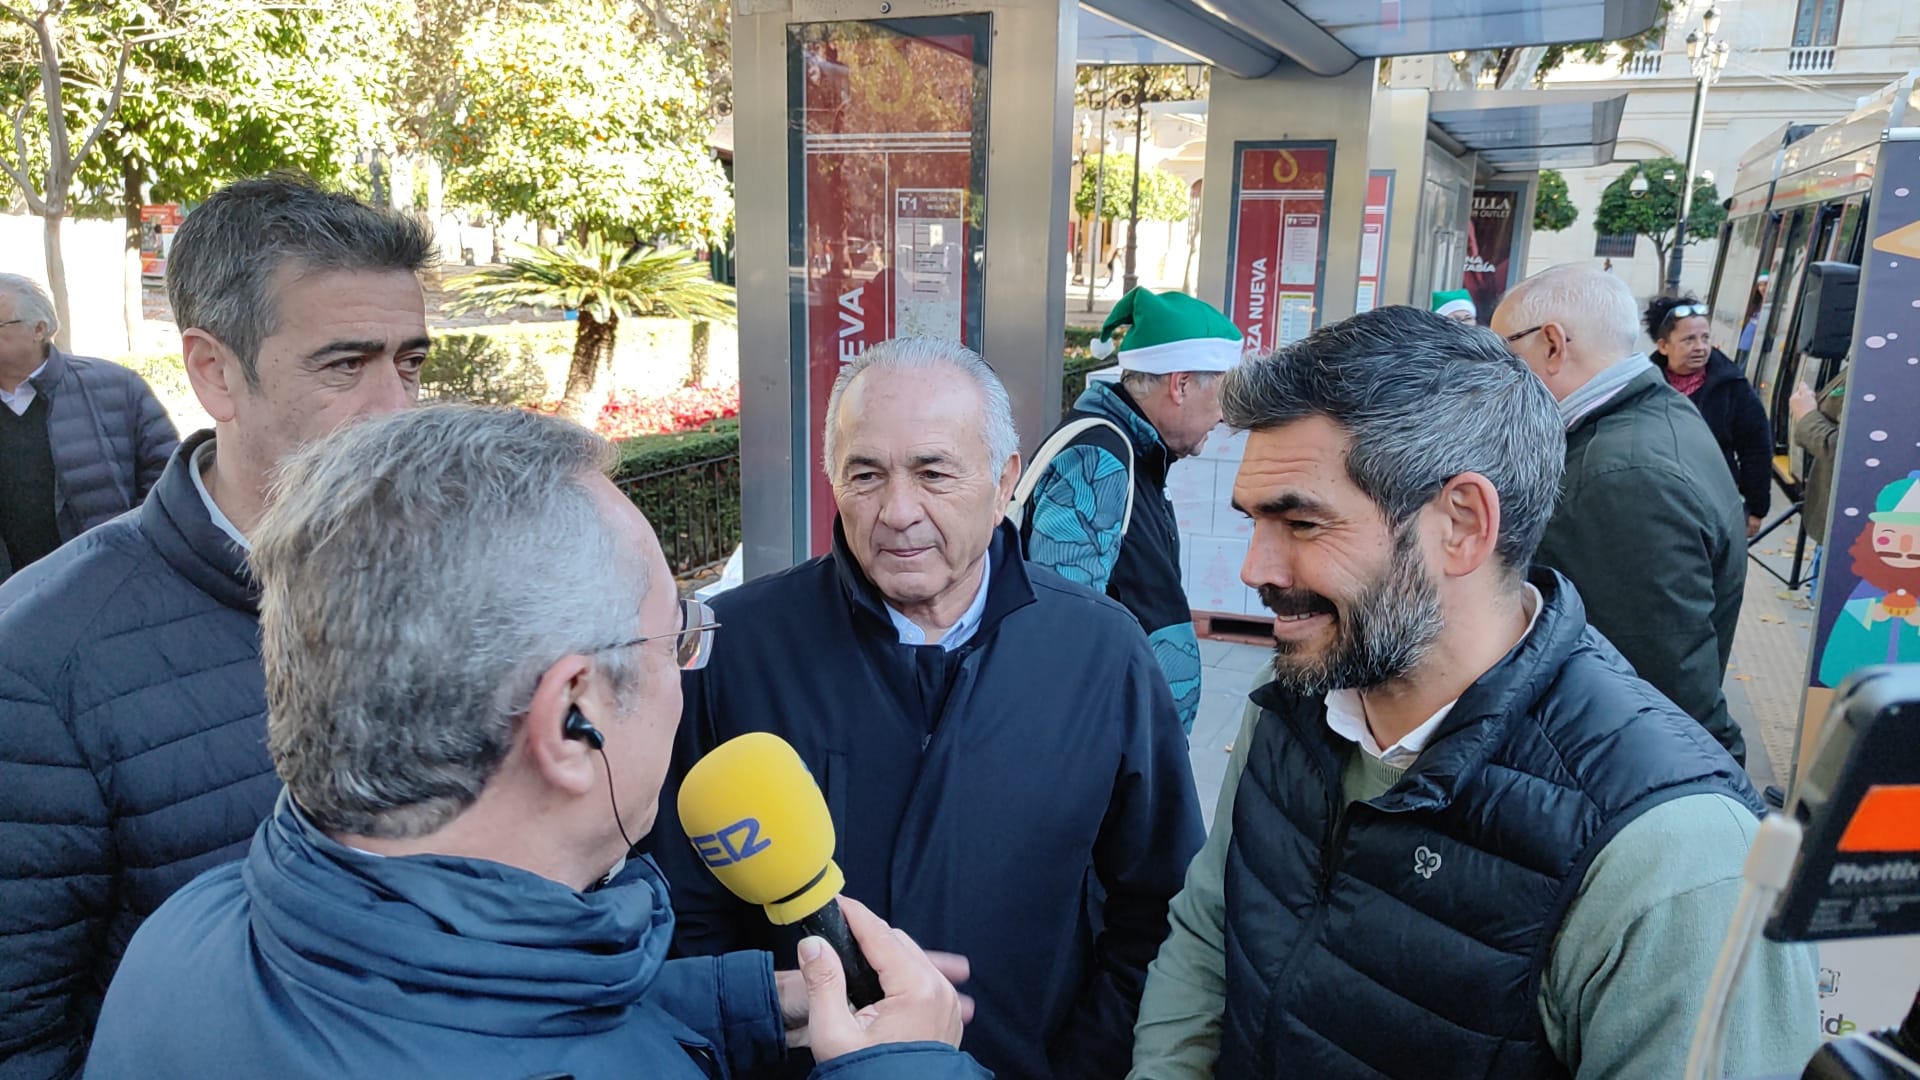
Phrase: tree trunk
[57,278]
[134,292]
[59,173]
[592,348]
[701,350]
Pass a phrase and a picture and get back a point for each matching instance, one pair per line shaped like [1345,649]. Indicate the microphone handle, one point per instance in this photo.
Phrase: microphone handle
[863,985]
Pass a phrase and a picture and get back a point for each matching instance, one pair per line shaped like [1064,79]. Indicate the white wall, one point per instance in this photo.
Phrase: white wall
[1879,40]
[94,252]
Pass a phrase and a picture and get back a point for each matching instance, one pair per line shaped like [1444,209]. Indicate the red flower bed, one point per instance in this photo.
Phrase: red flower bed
[682,410]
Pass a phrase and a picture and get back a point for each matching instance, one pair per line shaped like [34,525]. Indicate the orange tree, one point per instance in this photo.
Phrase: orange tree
[563,113]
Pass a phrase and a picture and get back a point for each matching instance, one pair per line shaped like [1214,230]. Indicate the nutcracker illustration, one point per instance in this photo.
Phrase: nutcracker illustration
[1881,621]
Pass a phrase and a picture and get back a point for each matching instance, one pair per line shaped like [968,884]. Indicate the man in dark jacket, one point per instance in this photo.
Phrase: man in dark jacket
[81,440]
[1458,837]
[1093,505]
[1007,776]
[1649,526]
[130,689]
[445,887]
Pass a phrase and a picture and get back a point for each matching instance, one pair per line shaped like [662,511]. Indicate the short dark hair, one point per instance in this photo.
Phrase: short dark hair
[1660,312]
[221,267]
[1423,399]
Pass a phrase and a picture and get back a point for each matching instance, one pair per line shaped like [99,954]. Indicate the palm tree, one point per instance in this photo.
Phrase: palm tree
[603,281]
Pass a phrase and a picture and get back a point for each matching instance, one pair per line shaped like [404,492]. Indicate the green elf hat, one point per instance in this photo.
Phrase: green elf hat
[1899,502]
[1446,303]
[1171,332]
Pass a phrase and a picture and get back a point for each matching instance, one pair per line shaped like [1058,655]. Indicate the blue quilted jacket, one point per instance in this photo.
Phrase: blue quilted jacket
[132,752]
[110,439]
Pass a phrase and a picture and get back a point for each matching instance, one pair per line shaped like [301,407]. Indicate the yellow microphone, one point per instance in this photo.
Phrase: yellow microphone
[755,816]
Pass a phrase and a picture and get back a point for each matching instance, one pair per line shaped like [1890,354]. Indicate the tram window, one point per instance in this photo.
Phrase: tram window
[1851,215]
[1851,247]
[1784,292]
[1742,258]
[1782,375]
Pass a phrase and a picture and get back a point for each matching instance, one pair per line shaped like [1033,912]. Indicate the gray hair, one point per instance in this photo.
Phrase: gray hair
[221,269]
[927,354]
[418,572]
[1142,383]
[1592,305]
[30,302]
[1423,399]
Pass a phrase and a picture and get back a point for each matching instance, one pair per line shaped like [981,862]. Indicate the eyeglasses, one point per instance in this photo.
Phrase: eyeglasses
[693,642]
[11,322]
[1686,311]
[1511,338]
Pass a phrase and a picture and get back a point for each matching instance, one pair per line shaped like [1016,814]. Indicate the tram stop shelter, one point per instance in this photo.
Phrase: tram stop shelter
[901,169]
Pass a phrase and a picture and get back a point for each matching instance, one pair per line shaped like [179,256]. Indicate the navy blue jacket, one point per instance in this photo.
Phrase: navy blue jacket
[310,959]
[133,752]
[1406,936]
[1024,800]
[110,439]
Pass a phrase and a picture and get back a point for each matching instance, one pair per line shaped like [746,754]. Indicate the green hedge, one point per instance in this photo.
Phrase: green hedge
[688,485]
[1073,378]
[491,368]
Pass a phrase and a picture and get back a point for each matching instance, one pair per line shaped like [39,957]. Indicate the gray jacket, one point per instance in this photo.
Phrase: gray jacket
[110,438]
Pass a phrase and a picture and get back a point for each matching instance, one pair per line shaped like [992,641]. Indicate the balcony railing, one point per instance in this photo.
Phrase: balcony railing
[1805,59]
[1643,63]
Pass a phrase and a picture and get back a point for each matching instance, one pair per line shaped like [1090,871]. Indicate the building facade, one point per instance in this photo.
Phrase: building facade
[1793,61]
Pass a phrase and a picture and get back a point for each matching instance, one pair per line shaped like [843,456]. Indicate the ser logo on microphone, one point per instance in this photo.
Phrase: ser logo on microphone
[735,843]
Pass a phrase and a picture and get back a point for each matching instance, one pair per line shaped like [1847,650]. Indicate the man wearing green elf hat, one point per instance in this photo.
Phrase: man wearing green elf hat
[1456,304]
[1093,506]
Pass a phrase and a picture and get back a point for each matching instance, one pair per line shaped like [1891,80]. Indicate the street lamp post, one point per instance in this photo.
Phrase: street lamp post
[1096,244]
[1132,276]
[1707,54]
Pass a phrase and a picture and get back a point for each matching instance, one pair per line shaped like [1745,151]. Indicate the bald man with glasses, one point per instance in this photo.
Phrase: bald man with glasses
[1650,527]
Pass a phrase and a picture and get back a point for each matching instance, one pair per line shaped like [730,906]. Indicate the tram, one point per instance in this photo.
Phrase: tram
[1801,196]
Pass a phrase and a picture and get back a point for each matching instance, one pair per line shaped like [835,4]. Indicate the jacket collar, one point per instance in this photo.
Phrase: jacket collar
[1480,721]
[1649,380]
[1008,587]
[1111,401]
[175,519]
[47,381]
[454,942]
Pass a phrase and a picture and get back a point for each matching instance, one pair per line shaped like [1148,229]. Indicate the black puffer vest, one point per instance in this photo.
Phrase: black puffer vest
[1406,936]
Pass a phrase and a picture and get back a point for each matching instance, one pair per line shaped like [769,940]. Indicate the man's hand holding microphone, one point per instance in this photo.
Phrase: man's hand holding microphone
[758,820]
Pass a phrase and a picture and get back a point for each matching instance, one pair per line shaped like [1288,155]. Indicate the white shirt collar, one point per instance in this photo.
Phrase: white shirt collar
[1347,715]
[21,397]
[202,457]
[960,632]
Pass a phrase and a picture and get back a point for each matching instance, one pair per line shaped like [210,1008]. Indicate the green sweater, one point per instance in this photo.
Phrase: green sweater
[1628,970]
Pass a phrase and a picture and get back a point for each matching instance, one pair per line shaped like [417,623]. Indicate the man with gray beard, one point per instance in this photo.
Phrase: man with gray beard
[1458,836]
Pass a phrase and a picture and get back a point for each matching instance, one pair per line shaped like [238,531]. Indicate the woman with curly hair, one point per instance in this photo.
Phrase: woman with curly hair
[1678,326]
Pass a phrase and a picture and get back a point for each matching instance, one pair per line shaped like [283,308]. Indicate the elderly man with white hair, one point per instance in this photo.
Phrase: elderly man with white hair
[81,440]
[1005,768]
[1650,527]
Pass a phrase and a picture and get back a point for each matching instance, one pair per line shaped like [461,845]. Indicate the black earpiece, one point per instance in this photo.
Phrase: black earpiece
[579,727]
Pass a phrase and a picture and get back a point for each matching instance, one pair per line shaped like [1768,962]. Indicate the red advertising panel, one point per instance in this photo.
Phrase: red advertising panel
[1490,248]
[888,174]
[157,226]
[1279,240]
[1373,239]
